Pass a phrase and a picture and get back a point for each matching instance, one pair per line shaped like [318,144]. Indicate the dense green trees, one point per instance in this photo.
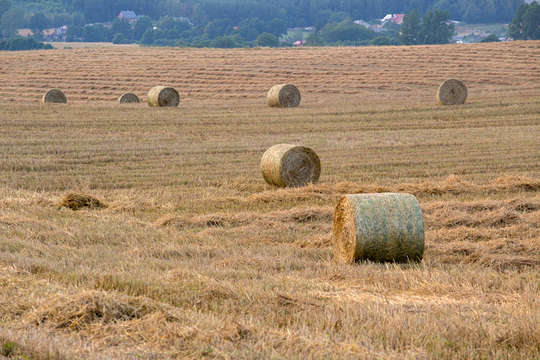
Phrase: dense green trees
[276,27]
[226,42]
[410,29]
[479,11]
[292,12]
[382,41]
[526,22]
[267,39]
[490,38]
[168,31]
[96,33]
[38,22]
[10,21]
[227,23]
[143,23]
[346,32]
[22,44]
[531,21]
[435,29]
[122,27]
[217,28]
[120,38]
[5,5]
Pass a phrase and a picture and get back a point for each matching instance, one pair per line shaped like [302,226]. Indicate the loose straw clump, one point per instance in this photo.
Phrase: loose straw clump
[54,96]
[76,201]
[283,95]
[128,98]
[378,227]
[287,165]
[452,92]
[163,96]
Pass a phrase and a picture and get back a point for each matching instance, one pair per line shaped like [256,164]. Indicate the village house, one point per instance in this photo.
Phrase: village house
[395,18]
[52,34]
[128,15]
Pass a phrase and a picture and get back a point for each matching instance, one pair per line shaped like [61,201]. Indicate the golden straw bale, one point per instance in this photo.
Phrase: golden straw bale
[286,165]
[54,96]
[378,227]
[163,96]
[452,92]
[128,98]
[283,95]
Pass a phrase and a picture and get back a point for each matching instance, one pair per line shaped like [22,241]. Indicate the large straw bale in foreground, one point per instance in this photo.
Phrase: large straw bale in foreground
[290,165]
[378,227]
[54,96]
[283,95]
[452,92]
[163,96]
[128,98]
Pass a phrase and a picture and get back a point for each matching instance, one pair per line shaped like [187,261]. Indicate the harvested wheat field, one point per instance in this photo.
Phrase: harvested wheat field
[193,255]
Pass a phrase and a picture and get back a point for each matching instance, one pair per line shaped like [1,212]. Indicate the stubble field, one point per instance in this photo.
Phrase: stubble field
[196,257]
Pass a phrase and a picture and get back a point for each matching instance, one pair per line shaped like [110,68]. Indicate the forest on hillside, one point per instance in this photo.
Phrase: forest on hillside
[233,23]
[293,12]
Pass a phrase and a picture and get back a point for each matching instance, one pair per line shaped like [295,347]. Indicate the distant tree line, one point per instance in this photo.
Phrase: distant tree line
[22,44]
[236,23]
[526,22]
[293,12]
[432,29]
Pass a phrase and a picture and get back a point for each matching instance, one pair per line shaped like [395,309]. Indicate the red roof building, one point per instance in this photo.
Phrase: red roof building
[395,18]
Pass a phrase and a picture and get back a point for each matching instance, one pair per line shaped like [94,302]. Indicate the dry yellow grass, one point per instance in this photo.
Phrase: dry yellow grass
[196,257]
[325,75]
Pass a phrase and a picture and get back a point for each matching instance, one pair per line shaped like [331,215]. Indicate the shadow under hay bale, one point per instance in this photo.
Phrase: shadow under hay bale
[386,227]
[54,96]
[161,96]
[283,95]
[128,98]
[452,92]
[75,201]
[286,165]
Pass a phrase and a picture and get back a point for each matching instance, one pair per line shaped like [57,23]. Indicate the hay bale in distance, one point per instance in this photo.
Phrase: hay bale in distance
[286,165]
[386,227]
[128,98]
[76,201]
[54,96]
[283,95]
[163,96]
[452,92]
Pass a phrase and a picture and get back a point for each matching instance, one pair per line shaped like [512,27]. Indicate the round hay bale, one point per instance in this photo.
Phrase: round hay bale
[452,92]
[287,165]
[128,98]
[163,96]
[378,227]
[283,95]
[54,96]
